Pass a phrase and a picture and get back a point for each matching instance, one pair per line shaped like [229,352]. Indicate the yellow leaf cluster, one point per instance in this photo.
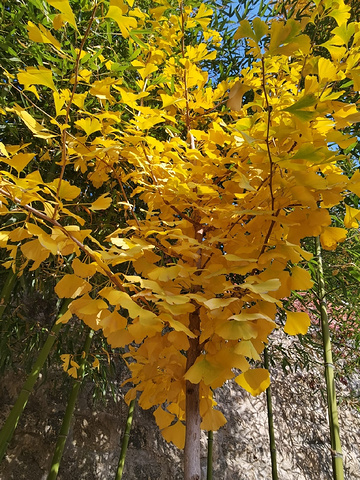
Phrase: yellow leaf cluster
[204,194]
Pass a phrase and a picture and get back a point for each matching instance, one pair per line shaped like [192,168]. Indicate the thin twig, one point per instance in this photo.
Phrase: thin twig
[67,115]
[268,134]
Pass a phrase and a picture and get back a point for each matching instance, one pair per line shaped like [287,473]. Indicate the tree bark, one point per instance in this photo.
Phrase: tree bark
[192,470]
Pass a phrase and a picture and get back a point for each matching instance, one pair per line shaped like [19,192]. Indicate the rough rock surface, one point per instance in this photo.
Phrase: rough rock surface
[241,450]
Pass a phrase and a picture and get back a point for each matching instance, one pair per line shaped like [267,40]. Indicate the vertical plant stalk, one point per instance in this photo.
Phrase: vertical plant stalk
[192,469]
[274,472]
[336,452]
[9,427]
[65,427]
[125,441]
[6,291]
[209,474]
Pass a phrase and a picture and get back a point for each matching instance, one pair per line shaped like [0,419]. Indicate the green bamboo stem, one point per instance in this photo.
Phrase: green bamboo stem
[65,427]
[209,474]
[11,422]
[125,441]
[6,291]
[336,451]
[274,471]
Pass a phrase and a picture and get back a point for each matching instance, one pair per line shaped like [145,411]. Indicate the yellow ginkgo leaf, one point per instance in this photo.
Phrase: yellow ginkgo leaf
[207,190]
[45,239]
[33,250]
[144,69]
[354,185]
[113,322]
[246,348]
[59,99]
[20,160]
[235,330]
[297,322]
[65,9]
[270,285]
[117,11]
[327,70]
[163,418]
[352,215]
[169,100]
[119,338]
[36,76]
[203,16]
[300,279]
[208,372]
[175,434]
[212,420]
[73,372]
[215,303]
[102,203]
[31,123]
[83,270]
[65,318]
[3,150]
[116,297]
[66,191]
[331,236]
[65,358]
[130,98]
[72,286]
[177,326]
[254,381]
[89,125]
[164,274]
[42,35]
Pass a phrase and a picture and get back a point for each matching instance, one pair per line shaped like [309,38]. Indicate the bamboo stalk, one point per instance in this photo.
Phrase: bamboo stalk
[65,427]
[336,451]
[125,441]
[6,291]
[9,427]
[274,471]
[209,474]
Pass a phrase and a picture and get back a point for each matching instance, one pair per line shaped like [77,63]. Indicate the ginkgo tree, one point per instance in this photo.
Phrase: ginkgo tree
[216,184]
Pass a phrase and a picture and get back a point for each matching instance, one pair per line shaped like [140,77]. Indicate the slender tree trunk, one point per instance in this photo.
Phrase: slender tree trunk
[274,472]
[192,470]
[9,427]
[209,475]
[65,427]
[337,460]
[125,442]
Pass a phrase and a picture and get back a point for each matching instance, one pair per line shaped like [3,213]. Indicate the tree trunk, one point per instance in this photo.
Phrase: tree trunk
[192,470]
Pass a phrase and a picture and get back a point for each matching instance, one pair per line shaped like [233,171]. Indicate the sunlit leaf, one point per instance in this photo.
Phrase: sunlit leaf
[102,203]
[255,380]
[42,35]
[65,9]
[72,286]
[175,434]
[331,236]
[296,322]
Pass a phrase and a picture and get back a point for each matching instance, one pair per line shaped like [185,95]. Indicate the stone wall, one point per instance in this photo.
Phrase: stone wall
[241,450]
